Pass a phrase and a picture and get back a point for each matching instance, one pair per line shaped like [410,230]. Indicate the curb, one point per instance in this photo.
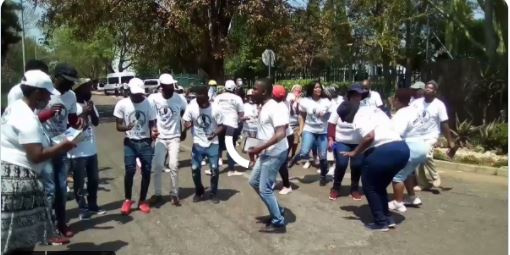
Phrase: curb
[502,171]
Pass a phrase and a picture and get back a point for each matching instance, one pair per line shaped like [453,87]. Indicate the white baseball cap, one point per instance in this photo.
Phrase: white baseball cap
[136,86]
[39,79]
[166,79]
[230,85]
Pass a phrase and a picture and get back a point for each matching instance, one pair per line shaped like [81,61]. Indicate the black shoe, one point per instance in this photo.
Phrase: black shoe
[97,210]
[266,220]
[155,199]
[84,214]
[214,198]
[198,198]
[323,181]
[271,228]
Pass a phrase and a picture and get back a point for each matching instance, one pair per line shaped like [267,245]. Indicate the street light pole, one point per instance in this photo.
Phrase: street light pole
[23,34]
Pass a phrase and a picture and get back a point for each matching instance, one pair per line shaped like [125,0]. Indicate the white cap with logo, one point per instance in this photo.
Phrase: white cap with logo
[136,86]
[39,79]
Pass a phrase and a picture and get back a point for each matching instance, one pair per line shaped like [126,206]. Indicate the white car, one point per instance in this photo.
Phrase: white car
[151,85]
[117,82]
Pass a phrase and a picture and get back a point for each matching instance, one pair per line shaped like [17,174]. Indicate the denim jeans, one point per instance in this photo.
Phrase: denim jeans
[133,149]
[48,180]
[418,155]
[263,180]
[341,163]
[307,143]
[379,166]
[163,147]
[197,155]
[85,167]
[60,170]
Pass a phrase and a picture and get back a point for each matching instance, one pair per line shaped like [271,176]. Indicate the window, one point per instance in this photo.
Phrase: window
[125,79]
[113,80]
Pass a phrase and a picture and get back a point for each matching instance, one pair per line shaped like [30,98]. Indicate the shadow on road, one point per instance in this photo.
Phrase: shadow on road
[87,247]
[363,214]
[112,214]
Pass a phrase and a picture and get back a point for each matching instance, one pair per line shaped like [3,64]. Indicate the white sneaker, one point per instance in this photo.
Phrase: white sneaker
[331,171]
[413,201]
[208,172]
[307,165]
[220,162]
[167,170]
[203,163]
[417,188]
[319,171]
[234,173]
[396,206]
[285,191]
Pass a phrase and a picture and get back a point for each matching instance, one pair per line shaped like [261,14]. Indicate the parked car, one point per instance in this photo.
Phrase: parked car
[151,85]
[117,82]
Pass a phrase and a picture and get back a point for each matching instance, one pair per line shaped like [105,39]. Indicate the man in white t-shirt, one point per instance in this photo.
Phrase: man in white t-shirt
[373,98]
[83,158]
[433,121]
[15,92]
[61,112]
[271,153]
[231,107]
[169,107]
[206,121]
[136,117]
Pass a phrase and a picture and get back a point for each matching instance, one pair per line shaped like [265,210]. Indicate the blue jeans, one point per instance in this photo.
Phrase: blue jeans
[321,141]
[197,155]
[263,180]
[143,150]
[379,166]
[60,170]
[48,180]
[85,167]
[418,155]
[341,163]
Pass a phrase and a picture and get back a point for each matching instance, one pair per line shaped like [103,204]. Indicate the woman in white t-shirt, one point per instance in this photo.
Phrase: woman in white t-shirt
[406,123]
[314,111]
[384,154]
[251,115]
[26,218]
[342,137]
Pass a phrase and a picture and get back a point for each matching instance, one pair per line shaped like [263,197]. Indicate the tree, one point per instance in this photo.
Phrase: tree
[10,26]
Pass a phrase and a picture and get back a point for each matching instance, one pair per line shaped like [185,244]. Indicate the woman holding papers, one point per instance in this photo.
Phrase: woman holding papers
[25,148]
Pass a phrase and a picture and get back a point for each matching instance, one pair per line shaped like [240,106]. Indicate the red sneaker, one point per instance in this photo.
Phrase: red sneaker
[144,207]
[126,207]
[65,231]
[333,194]
[58,240]
[356,195]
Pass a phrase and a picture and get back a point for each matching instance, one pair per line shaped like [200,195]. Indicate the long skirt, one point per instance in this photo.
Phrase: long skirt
[25,215]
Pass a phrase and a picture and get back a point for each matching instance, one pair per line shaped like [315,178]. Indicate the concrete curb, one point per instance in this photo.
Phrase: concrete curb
[502,171]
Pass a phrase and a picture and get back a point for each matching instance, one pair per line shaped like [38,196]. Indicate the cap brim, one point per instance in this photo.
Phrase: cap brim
[70,78]
[53,91]
[137,91]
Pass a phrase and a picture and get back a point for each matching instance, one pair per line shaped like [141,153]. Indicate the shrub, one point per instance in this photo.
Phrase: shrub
[463,132]
[494,136]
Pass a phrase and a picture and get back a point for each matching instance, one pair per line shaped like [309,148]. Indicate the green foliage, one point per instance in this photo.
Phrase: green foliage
[494,136]
[10,26]
[464,130]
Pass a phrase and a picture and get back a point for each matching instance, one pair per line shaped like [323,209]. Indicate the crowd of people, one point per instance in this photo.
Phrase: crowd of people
[330,129]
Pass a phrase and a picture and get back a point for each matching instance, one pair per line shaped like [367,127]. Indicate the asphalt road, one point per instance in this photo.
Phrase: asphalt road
[468,215]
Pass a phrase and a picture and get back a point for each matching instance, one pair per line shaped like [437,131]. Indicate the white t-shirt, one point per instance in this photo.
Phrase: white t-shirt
[252,111]
[291,102]
[406,121]
[140,114]
[369,119]
[431,116]
[58,123]
[336,102]
[20,125]
[314,123]
[87,147]
[168,112]
[230,105]
[373,99]
[205,121]
[14,94]
[344,132]
[272,115]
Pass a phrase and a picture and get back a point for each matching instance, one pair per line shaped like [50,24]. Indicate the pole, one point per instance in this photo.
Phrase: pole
[23,35]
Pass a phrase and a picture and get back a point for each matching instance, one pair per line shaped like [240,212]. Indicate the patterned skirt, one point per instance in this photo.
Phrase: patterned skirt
[25,215]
